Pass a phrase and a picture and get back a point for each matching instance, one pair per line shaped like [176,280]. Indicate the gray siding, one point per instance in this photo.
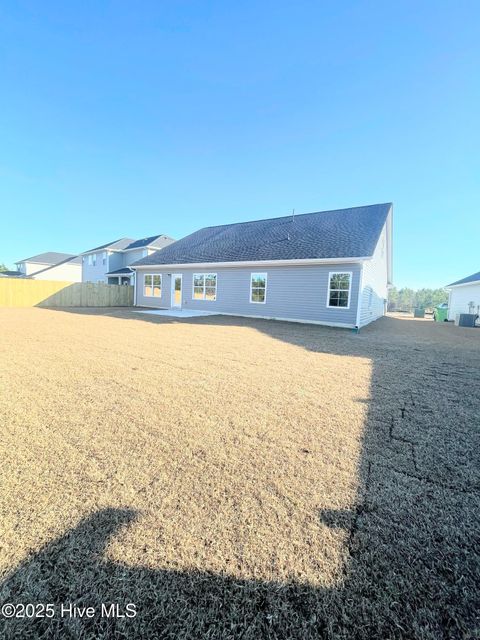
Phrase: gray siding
[115,261]
[374,283]
[129,257]
[95,273]
[293,292]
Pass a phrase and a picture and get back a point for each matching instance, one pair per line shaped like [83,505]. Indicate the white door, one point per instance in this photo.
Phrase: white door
[176,290]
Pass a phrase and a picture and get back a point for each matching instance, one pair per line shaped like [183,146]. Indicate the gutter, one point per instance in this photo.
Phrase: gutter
[253,263]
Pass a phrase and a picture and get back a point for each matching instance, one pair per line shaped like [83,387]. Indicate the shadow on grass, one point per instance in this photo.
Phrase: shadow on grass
[412,567]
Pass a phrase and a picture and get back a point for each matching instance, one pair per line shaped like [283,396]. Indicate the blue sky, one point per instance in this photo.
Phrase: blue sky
[131,119]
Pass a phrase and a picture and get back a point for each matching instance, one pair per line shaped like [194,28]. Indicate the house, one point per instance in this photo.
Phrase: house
[50,266]
[111,262]
[328,267]
[11,274]
[464,296]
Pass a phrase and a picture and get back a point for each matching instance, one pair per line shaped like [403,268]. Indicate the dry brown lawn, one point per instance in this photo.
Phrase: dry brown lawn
[238,478]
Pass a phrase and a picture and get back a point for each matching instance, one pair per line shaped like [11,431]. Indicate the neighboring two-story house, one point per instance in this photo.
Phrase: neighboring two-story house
[110,262]
[50,266]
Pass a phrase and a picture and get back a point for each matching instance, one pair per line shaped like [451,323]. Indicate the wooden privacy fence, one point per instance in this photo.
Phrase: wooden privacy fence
[19,292]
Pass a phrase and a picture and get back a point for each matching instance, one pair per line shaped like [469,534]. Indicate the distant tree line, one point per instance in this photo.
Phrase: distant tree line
[406,299]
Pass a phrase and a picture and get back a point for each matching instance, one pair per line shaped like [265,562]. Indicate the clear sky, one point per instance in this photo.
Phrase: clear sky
[136,118]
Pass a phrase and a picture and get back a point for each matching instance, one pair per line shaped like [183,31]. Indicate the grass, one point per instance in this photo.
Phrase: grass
[239,478]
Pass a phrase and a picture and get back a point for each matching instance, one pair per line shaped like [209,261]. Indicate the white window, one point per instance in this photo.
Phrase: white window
[339,288]
[152,285]
[90,259]
[204,286]
[104,257]
[258,288]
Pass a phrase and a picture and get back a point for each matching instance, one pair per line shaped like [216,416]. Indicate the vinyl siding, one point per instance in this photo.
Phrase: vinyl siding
[296,293]
[63,272]
[374,283]
[29,268]
[460,298]
[116,260]
[132,256]
[95,273]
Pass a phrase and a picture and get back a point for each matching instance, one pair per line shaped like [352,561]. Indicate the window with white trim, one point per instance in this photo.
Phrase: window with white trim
[152,285]
[92,259]
[104,257]
[339,287]
[204,286]
[258,288]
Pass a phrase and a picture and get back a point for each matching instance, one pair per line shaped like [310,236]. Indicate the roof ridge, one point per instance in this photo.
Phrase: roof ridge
[297,215]
[46,253]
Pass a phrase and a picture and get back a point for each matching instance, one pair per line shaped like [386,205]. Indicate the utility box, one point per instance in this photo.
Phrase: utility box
[467,319]
[419,312]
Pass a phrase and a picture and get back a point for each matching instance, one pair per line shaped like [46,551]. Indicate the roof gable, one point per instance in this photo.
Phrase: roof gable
[50,257]
[475,277]
[151,241]
[343,233]
[116,245]
[74,260]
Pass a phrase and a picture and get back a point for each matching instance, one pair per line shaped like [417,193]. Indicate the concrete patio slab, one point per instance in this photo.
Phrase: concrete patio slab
[175,313]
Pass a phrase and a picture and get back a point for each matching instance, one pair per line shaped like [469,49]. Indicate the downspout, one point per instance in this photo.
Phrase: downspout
[134,288]
[359,299]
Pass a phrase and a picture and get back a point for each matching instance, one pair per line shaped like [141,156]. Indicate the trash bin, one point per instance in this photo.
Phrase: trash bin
[440,314]
[419,312]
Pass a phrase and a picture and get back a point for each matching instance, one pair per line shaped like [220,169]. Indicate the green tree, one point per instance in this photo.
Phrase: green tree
[406,299]
[3,267]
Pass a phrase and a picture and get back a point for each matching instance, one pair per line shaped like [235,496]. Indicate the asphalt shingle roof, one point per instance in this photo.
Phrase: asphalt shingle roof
[50,257]
[72,260]
[117,272]
[475,277]
[341,233]
[12,274]
[151,241]
[120,244]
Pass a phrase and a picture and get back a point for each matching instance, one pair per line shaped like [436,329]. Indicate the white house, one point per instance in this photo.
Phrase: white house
[464,296]
[50,266]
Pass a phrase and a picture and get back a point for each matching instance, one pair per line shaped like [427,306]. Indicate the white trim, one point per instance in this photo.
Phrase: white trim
[172,290]
[463,284]
[135,292]
[206,266]
[359,295]
[204,274]
[389,247]
[145,275]
[258,273]
[343,273]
